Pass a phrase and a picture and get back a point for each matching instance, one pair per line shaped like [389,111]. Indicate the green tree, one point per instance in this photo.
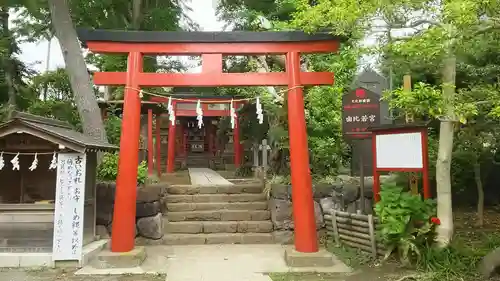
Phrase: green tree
[442,28]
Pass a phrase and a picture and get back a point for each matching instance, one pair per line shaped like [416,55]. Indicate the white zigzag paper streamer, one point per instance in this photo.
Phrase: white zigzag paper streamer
[258,106]
[199,114]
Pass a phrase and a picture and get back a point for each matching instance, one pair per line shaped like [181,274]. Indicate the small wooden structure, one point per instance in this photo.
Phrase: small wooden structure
[354,230]
[400,148]
[27,195]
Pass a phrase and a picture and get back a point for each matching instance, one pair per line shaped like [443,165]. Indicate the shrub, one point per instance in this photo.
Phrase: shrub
[108,169]
[407,223]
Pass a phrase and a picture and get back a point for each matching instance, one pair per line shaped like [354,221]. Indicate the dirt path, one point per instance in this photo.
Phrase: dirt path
[61,275]
[383,273]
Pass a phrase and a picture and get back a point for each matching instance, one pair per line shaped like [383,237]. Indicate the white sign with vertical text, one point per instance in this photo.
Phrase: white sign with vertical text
[69,203]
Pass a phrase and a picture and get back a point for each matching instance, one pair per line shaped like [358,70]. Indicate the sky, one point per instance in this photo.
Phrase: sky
[35,54]
[203,12]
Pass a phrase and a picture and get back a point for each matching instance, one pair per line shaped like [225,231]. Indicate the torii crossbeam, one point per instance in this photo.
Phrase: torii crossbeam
[211,46]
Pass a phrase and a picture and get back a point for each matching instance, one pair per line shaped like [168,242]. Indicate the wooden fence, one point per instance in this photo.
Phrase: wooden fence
[354,230]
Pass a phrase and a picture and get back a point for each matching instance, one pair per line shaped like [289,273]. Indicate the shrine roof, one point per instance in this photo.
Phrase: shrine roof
[85,35]
[160,107]
[54,131]
[145,106]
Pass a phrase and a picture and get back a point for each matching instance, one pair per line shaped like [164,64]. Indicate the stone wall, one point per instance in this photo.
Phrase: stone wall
[149,210]
[343,195]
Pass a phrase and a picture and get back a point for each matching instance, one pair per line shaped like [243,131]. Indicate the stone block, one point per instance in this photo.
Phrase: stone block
[236,215]
[248,197]
[184,239]
[223,238]
[147,209]
[9,260]
[152,192]
[281,191]
[183,227]
[220,227]
[151,227]
[255,226]
[35,260]
[281,214]
[257,238]
[283,237]
[108,259]
[322,258]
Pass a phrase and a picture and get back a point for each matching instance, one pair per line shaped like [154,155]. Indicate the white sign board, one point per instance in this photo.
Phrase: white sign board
[69,203]
[399,150]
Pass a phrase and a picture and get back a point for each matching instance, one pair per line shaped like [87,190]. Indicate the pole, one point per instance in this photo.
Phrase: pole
[171,145]
[236,138]
[306,239]
[413,182]
[158,144]
[361,177]
[150,142]
[123,230]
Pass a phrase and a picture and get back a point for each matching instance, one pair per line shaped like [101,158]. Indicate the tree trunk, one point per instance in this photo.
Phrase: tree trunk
[77,70]
[47,68]
[262,67]
[443,163]
[480,194]
[9,67]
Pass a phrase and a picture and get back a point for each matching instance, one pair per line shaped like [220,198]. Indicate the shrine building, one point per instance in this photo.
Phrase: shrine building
[208,145]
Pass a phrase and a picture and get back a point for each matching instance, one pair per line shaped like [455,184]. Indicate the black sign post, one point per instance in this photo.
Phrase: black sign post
[361,109]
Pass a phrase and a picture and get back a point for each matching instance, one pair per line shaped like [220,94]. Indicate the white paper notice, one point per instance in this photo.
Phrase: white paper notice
[69,203]
[399,150]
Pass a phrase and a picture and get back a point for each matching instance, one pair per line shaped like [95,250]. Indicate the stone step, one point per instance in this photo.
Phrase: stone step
[222,189]
[183,207]
[218,238]
[205,198]
[220,215]
[193,227]
[26,242]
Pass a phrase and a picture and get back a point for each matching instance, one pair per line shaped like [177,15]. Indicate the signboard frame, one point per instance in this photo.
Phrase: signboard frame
[382,158]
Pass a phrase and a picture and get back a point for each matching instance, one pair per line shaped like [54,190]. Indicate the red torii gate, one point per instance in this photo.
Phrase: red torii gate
[212,46]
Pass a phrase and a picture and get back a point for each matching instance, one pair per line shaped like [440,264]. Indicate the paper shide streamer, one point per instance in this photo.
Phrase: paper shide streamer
[34,164]
[15,162]
[171,113]
[199,114]
[233,115]
[2,162]
[53,163]
[260,115]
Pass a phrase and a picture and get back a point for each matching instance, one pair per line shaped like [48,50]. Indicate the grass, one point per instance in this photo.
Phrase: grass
[305,276]
[363,264]
[457,262]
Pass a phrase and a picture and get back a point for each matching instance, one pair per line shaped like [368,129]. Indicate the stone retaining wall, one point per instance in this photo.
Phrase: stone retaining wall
[150,206]
[344,195]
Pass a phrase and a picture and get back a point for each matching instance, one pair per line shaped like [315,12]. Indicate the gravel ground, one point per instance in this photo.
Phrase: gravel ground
[67,275]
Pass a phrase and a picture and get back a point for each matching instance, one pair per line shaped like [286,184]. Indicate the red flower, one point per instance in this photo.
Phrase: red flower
[435,220]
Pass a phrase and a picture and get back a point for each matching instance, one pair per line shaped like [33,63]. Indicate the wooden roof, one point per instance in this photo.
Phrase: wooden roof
[140,36]
[52,130]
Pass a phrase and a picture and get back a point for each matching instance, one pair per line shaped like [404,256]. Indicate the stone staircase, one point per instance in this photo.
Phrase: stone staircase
[236,214]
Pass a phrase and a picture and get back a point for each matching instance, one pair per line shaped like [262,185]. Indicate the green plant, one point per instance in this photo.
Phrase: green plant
[407,223]
[142,173]
[244,171]
[108,169]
